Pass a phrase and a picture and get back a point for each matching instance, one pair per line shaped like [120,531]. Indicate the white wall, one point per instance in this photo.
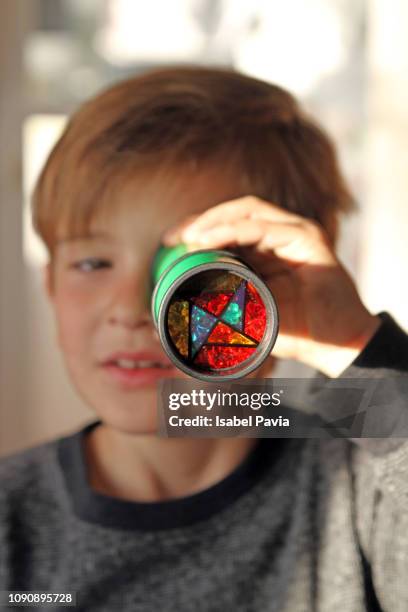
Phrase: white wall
[13,336]
[384,260]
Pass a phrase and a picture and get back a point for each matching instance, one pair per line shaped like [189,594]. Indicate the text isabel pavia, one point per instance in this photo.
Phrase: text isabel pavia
[211,401]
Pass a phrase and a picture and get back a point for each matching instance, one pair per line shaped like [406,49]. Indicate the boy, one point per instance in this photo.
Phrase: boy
[130,521]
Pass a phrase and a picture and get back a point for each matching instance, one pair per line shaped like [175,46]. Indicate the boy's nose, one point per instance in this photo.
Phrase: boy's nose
[130,305]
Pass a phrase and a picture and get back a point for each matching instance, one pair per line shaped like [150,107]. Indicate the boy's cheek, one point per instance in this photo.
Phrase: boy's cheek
[72,326]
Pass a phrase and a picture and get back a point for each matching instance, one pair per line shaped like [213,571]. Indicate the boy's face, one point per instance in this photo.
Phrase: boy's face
[100,295]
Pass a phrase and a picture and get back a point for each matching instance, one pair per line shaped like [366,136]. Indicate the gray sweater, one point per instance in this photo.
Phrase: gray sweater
[301,525]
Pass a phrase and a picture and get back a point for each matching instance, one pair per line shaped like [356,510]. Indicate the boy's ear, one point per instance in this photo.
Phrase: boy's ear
[48,281]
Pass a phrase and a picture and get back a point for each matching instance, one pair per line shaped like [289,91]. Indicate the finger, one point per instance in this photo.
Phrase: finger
[265,236]
[238,233]
[172,236]
[242,208]
[290,241]
[297,244]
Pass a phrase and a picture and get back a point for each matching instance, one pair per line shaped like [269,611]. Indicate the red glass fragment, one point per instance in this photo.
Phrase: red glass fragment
[255,314]
[219,357]
[223,334]
[213,302]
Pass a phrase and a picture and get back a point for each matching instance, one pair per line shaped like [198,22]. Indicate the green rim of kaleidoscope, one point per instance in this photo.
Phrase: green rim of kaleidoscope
[171,263]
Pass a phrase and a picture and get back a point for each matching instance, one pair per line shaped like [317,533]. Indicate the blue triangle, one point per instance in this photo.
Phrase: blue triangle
[234,312]
[201,325]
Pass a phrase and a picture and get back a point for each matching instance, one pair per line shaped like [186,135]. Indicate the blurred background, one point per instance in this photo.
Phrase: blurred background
[347,61]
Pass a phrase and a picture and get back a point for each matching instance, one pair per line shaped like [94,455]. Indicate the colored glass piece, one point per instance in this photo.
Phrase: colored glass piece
[255,314]
[201,325]
[221,357]
[234,312]
[177,322]
[213,302]
[223,334]
[223,282]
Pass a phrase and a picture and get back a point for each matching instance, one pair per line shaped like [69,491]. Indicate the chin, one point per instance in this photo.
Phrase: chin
[144,422]
[133,413]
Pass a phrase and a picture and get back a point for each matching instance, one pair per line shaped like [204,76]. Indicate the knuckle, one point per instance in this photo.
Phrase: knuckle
[251,199]
[313,228]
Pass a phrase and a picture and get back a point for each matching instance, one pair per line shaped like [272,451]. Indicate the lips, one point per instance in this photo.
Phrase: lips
[137,369]
[140,359]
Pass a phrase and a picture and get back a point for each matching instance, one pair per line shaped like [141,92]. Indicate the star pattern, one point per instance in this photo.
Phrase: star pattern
[218,329]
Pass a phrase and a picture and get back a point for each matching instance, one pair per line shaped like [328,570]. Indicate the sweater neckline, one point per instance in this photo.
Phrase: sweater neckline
[111,512]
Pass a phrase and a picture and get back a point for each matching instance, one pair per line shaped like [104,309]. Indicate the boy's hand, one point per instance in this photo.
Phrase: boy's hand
[323,322]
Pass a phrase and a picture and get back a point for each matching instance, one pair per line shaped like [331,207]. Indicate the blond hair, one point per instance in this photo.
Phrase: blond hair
[195,115]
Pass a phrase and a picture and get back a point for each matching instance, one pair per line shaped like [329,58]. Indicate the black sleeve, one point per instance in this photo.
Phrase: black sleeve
[386,354]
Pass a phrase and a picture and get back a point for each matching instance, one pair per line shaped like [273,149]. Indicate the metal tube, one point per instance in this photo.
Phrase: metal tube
[217,320]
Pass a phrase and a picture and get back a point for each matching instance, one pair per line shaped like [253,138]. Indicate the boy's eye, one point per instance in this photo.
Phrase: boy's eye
[91,263]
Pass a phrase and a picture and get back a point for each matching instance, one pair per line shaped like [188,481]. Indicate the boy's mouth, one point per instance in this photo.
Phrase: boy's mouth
[133,370]
[140,360]
[131,364]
